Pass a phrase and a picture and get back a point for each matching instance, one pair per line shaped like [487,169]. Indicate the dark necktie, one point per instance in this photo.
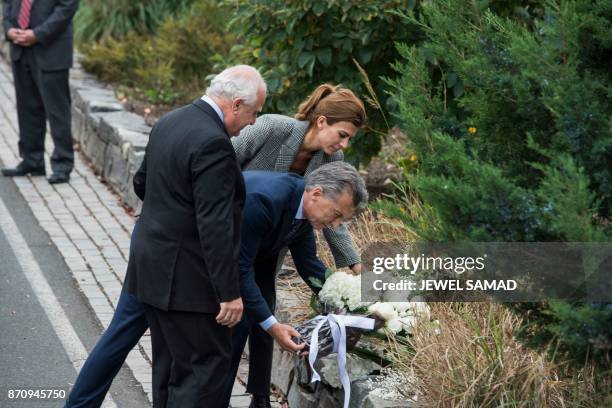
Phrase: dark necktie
[24,14]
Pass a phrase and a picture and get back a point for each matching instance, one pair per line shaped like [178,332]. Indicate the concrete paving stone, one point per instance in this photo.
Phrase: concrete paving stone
[240,401]
[99,302]
[94,260]
[84,244]
[238,389]
[111,253]
[105,320]
[75,263]
[92,255]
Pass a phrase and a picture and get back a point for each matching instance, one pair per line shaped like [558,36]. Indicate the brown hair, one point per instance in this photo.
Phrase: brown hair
[337,104]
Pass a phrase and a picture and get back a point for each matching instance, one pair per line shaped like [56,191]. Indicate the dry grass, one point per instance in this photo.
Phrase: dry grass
[368,228]
[472,359]
[475,361]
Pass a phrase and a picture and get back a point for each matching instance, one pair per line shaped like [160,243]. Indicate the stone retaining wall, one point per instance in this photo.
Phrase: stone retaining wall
[113,139]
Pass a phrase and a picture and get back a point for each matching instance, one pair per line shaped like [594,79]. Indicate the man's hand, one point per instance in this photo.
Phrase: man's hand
[230,313]
[283,333]
[356,269]
[12,33]
[25,38]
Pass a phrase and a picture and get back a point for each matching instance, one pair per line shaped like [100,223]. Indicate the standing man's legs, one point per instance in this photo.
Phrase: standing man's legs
[55,91]
[260,363]
[200,351]
[103,363]
[31,114]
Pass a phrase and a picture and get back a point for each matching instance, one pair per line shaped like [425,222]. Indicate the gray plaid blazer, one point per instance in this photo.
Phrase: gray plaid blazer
[272,144]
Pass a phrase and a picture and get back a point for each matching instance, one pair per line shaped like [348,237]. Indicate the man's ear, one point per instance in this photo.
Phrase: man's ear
[236,103]
[317,192]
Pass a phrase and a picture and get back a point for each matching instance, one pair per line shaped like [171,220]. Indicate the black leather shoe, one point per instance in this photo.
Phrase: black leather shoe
[22,170]
[57,178]
[260,401]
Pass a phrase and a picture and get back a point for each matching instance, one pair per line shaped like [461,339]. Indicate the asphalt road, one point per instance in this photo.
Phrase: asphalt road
[33,352]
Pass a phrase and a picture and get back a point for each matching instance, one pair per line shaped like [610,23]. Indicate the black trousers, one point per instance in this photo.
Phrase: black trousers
[191,358]
[261,344]
[41,96]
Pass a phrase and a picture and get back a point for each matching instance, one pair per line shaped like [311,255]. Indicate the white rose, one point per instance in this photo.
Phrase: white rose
[384,310]
[408,323]
[395,325]
[403,307]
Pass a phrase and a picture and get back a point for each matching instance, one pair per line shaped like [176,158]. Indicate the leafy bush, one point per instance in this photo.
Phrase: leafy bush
[171,66]
[96,20]
[299,45]
[510,126]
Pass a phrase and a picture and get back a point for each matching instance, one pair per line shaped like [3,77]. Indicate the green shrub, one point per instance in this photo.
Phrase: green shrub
[299,45]
[510,124]
[171,66]
[96,20]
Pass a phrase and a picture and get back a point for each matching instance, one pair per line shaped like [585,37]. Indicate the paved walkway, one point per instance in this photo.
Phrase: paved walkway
[90,229]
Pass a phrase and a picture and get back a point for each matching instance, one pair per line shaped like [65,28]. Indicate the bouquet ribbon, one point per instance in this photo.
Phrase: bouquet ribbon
[338,324]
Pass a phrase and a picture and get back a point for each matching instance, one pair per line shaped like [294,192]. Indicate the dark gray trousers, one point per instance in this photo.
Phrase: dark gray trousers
[41,96]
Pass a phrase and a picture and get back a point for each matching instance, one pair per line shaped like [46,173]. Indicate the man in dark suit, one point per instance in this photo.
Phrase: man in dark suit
[281,210]
[192,201]
[40,34]
[184,259]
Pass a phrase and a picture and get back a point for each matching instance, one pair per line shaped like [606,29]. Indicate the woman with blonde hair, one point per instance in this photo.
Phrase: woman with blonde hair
[321,129]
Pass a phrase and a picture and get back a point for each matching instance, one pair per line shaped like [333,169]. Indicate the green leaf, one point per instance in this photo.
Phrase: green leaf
[458,89]
[328,272]
[324,56]
[451,80]
[304,59]
[315,282]
[310,67]
[365,55]
[318,9]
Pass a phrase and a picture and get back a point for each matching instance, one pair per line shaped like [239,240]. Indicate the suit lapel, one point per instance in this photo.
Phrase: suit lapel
[290,148]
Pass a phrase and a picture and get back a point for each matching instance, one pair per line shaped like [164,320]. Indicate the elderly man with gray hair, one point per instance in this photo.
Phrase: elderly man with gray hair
[183,278]
[281,210]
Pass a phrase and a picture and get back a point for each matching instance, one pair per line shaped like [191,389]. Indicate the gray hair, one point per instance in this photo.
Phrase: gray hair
[240,81]
[336,178]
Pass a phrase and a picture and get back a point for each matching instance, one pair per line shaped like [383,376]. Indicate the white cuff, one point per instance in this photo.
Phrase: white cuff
[266,324]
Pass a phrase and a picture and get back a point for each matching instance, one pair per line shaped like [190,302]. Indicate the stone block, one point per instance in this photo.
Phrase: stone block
[282,373]
[116,170]
[299,398]
[95,149]
[112,121]
[136,140]
[357,368]
[359,391]
[376,402]
[329,399]
[79,124]
[100,100]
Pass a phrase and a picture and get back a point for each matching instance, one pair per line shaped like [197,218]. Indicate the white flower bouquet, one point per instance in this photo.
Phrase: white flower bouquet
[344,318]
[341,295]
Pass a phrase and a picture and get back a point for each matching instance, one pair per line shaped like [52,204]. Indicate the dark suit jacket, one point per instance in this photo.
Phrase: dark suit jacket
[51,21]
[271,204]
[186,244]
